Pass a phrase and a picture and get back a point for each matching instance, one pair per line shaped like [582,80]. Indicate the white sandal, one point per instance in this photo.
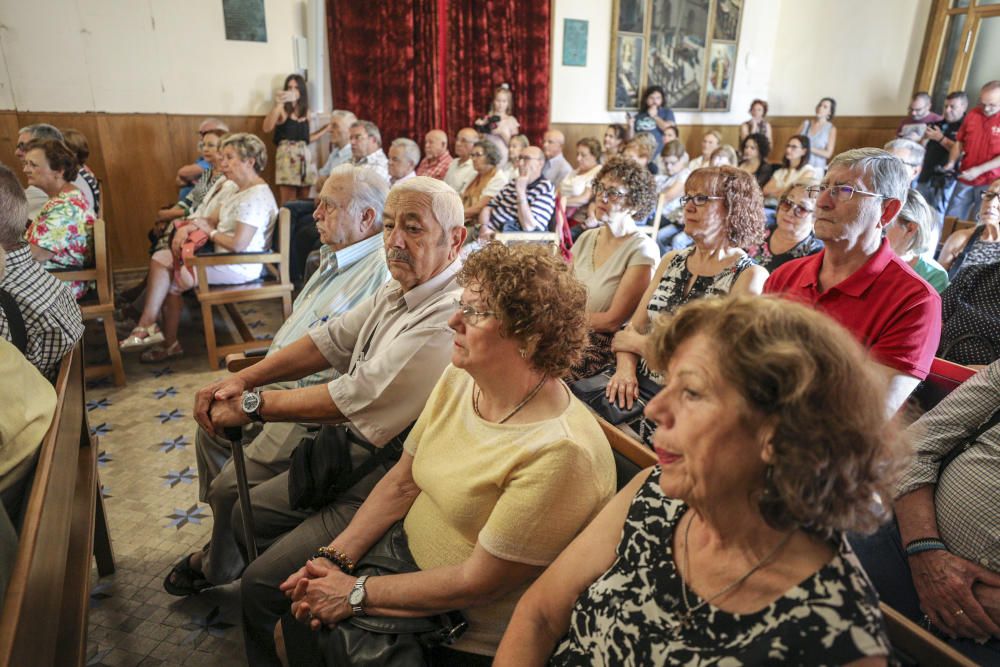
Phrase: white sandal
[142,337]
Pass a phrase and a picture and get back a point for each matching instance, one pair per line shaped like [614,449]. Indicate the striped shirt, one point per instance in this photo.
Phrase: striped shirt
[541,200]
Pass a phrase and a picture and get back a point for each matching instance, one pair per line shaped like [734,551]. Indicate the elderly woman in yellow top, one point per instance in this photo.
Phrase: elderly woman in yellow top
[502,469]
[772,443]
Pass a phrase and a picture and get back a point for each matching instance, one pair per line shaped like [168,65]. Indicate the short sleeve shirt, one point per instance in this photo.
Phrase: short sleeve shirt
[602,282]
[541,201]
[65,227]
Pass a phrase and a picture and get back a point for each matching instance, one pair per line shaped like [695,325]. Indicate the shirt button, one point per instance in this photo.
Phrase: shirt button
[984,561]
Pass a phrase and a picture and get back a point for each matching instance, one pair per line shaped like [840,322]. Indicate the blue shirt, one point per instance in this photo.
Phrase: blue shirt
[645,123]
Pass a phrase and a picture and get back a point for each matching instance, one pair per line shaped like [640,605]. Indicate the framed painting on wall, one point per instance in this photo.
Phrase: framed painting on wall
[721,63]
[627,73]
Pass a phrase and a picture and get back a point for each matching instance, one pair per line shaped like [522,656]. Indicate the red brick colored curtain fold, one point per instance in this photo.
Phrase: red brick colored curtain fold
[383,63]
[495,41]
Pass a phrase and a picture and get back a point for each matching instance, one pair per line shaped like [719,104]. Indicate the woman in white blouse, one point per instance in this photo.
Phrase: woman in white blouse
[575,188]
[795,169]
[489,179]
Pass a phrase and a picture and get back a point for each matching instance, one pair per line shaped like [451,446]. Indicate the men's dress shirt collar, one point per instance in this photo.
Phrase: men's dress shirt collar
[393,181]
[426,290]
[341,260]
[855,284]
[19,257]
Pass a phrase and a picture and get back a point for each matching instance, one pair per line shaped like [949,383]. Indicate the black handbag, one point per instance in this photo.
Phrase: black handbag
[591,391]
[370,641]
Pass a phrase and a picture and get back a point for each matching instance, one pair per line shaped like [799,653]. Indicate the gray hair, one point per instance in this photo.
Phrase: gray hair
[918,211]
[915,150]
[368,190]
[345,115]
[410,149]
[42,131]
[214,124]
[248,146]
[490,151]
[883,172]
[446,205]
[13,209]
[370,128]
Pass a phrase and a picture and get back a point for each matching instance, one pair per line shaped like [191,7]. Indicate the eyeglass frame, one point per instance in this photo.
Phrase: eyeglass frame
[608,195]
[694,199]
[988,194]
[526,158]
[470,316]
[795,207]
[814,191]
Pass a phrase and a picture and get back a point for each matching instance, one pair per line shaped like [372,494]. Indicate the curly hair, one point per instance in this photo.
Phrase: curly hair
[59,156]
[640,184]
[743,200]
[537,299]
[763,144]
[834,451]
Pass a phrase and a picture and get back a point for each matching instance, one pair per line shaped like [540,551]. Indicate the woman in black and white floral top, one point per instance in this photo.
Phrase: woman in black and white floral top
[772,441]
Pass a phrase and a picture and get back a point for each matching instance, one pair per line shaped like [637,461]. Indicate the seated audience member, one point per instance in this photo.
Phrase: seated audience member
[516,144]
[366,147]
[757,123]
[822,134]
[640,151]
[724,155]
[977,144]
[500,120]
[52,320]
[919,116]
[795,168]
[791,237]
[753,157]
[671,133]
[709,142]
[487,184]
[209,146]
[77,142]
[732,549]
[670,186]
[722,214]
[245,222]
[908,237]
[502,470]
[526,204]
[349,217]
[557,167]
[460,171]
[339,128]
[390,349]
[576,187]
[615,137]
[38,132]
[404,156]
[940,561]
[910,153]
[437,159]
[934,184]
[857,279]
[980,244]
[189,174]
[653,118]
[62,234]
[614,261]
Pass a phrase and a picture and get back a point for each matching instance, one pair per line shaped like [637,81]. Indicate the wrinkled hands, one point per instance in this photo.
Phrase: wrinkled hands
[944,584]
[319,593]
[219,405]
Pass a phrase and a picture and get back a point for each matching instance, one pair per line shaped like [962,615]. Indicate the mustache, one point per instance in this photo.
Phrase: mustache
[399,255]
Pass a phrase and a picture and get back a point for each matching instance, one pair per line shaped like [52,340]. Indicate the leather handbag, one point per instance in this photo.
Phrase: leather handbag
[592,392]
[370,641]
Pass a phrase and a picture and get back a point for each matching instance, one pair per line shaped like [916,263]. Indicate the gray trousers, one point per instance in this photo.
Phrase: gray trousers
[267,456]
[287,538]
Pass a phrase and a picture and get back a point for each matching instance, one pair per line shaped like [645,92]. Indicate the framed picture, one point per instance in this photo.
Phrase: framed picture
[682,39]
[574,43]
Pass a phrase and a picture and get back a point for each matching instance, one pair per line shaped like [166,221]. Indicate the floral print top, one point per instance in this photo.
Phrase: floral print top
[65,227]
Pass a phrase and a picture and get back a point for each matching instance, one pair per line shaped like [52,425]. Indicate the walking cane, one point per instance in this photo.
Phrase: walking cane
[235,436]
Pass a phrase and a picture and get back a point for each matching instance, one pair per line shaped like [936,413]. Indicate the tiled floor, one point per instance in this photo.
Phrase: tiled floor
[149,477]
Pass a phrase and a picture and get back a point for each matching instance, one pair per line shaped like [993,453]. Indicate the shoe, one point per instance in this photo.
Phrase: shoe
[142,337]
[160,353]
[184,580]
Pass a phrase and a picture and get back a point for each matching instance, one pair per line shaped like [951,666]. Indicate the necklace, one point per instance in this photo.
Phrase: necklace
[593,254]
[531,394]
[688,614]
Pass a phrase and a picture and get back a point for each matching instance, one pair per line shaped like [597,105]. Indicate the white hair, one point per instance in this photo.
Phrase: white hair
[884,172]
[918,211]
[368,189]
[446,205]
[410,149]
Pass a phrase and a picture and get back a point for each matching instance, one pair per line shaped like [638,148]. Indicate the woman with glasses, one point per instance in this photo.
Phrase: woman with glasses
[615,261]
[792,235]
[979,245]
[795,168]
[909,236]
[503,468]
[488,182]
[822,134]
[723,213]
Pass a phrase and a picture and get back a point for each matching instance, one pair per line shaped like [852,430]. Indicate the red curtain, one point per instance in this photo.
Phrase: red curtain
[383,63]
[390,64]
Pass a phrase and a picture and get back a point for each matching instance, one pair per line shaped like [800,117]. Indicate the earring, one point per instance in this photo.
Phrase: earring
[524,353]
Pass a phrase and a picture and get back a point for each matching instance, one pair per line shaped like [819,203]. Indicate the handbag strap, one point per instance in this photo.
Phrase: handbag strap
[973,439]
[18,332]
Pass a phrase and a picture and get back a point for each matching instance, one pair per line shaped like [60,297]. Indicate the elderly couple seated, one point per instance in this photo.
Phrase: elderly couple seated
[446,425]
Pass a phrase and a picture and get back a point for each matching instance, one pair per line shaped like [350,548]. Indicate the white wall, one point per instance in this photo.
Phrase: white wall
[791,52]
[168,56]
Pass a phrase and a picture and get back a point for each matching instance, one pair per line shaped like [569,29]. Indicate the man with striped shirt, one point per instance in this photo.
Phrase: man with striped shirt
[526,204]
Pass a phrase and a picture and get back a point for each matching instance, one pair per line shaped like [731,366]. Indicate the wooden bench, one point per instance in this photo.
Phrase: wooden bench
[46,603]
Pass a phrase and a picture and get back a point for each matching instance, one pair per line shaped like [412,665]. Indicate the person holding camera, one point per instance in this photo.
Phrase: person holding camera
[934,182]
[294,172]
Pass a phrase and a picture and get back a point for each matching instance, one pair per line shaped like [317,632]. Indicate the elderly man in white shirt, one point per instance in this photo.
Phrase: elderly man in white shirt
[404,156]
[460,171]
[366,147]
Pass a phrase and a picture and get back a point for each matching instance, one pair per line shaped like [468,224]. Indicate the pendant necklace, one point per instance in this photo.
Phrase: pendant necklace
[477,392]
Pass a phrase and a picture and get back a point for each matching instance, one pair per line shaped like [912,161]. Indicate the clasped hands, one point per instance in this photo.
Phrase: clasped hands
[319,591]
[219,405]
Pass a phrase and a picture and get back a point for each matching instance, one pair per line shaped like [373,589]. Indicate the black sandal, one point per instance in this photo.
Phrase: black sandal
[183,580]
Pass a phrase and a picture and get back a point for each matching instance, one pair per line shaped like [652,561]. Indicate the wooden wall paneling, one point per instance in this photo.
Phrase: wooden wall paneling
[8,141]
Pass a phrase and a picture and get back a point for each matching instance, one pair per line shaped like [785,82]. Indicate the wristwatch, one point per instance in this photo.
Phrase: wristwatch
[251,405]
[357,597]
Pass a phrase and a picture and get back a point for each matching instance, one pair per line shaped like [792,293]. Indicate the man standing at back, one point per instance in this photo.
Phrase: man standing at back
[935,185]
[978,145]
[857,279]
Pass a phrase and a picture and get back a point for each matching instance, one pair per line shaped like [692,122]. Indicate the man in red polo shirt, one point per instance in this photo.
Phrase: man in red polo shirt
[979,140]
[857,279]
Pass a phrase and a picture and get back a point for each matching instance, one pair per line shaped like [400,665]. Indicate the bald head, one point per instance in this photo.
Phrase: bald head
[435,143]
[210,124]
[553,143]
[466,139]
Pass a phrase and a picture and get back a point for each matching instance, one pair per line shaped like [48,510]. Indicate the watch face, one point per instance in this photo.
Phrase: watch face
[251,401]
[356,597]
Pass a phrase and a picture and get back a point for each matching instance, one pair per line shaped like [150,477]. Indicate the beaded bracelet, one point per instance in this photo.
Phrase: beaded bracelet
[923,544]
[339,558]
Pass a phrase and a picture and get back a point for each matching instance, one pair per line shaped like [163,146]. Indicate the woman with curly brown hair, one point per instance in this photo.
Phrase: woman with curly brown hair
[723,213]
[772,442]
[501,471]
[615,260]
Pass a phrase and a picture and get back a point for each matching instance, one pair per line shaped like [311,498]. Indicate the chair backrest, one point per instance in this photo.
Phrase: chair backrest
[914,645]
[653,229]
[100,272]
[953,224]
[283,244]
[943,378]
[630,455]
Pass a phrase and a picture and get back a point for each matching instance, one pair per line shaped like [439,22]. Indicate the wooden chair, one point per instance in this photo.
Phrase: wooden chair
[631,456]
[654,229]
[953,224]
[276,285]
[102,305]
[46,603]
[558,227]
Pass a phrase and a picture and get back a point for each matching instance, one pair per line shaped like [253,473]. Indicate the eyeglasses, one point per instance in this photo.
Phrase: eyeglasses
[470,315]
[478,154]
[527,158]
[699,200]
[798,210]
[21,146]
[989,196]
[606,194]
[840,193]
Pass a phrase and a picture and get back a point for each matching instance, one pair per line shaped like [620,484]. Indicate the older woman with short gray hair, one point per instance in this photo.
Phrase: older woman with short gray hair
[489,180]
[910,236]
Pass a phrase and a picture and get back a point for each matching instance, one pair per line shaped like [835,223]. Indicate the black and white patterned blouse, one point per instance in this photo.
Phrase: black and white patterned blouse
[631,615]
[762,254]
[670,293]
[975,252]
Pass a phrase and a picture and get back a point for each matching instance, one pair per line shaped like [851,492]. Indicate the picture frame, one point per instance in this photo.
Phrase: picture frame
[575,42]
[627,74]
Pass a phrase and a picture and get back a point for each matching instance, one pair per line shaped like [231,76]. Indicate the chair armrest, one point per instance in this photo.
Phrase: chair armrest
[239,360]
[70,275]
[234,258]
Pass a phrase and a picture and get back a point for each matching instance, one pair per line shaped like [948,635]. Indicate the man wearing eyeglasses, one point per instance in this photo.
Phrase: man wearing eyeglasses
[857,279]
[978,145]
[526,204]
